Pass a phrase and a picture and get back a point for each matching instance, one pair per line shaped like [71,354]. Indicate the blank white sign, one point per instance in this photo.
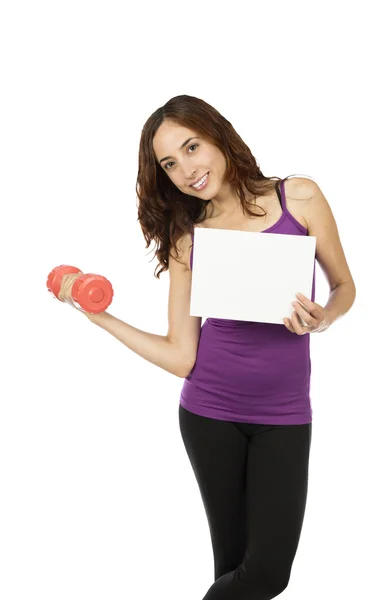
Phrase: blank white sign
[249,276]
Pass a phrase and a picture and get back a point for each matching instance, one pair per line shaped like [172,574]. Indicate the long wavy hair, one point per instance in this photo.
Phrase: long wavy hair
[164,212]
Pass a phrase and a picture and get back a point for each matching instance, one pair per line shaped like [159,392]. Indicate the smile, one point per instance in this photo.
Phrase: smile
[202,183]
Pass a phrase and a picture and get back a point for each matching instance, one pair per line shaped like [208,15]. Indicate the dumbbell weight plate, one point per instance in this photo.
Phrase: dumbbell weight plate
[92,293]
[54,280]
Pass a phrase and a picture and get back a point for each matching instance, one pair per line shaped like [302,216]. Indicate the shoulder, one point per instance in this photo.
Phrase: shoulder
[300,188]
[322,225]
[298,193]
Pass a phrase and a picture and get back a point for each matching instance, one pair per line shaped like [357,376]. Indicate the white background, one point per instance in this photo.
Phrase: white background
[97,496]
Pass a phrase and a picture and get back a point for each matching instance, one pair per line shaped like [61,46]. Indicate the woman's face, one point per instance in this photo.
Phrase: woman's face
[186,165]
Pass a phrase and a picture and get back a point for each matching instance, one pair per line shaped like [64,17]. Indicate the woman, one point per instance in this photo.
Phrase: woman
[245,411]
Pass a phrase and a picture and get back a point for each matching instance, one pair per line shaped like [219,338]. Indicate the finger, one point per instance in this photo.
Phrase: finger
[308,304]
[299,329]
[304,314]
[288,324]
[313,308]
[302,297]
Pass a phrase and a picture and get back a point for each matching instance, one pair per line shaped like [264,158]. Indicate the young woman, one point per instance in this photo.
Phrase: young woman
[245,412]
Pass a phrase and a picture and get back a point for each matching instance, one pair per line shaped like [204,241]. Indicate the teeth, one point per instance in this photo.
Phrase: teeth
[201,181]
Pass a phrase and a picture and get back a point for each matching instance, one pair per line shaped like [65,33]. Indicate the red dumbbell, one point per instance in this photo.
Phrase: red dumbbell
[90,292]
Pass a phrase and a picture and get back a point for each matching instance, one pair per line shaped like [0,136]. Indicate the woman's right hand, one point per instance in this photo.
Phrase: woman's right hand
[65,294]
[66,287]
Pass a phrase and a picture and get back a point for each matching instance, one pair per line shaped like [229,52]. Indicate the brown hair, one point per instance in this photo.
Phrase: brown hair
[164,212]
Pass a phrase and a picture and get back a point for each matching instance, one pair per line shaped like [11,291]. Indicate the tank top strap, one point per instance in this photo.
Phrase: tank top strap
[283,199]
[280,191]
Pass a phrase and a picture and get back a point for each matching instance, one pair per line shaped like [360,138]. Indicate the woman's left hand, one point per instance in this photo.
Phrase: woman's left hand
[315,316]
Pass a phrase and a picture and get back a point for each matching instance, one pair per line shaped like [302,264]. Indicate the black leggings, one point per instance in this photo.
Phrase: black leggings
[253,480]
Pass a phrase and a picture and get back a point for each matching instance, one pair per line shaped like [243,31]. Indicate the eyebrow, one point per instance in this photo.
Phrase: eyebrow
[182,146]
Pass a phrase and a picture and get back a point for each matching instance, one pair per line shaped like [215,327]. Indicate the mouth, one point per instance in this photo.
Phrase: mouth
[203,180]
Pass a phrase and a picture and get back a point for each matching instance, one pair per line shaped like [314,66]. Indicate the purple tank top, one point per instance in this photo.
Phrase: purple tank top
[251,372]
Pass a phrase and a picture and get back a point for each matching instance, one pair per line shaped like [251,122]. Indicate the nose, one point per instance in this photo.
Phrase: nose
[191,174]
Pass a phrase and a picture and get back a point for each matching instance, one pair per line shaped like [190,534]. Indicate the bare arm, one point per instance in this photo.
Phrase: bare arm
[157,349]
[174,352]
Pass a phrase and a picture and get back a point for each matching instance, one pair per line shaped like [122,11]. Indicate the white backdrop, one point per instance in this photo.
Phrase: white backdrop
[97,495]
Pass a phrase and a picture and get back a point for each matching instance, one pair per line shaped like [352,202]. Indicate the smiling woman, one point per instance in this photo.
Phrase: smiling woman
[181,142]
[245,409]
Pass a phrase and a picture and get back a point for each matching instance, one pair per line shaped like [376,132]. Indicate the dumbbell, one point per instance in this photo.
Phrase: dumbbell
[90,292]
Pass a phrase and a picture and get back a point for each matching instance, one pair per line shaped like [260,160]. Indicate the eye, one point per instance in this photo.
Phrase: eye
[171,162]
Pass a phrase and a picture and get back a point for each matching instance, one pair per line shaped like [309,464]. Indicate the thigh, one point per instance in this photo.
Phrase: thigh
[217,451]
[277,484]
